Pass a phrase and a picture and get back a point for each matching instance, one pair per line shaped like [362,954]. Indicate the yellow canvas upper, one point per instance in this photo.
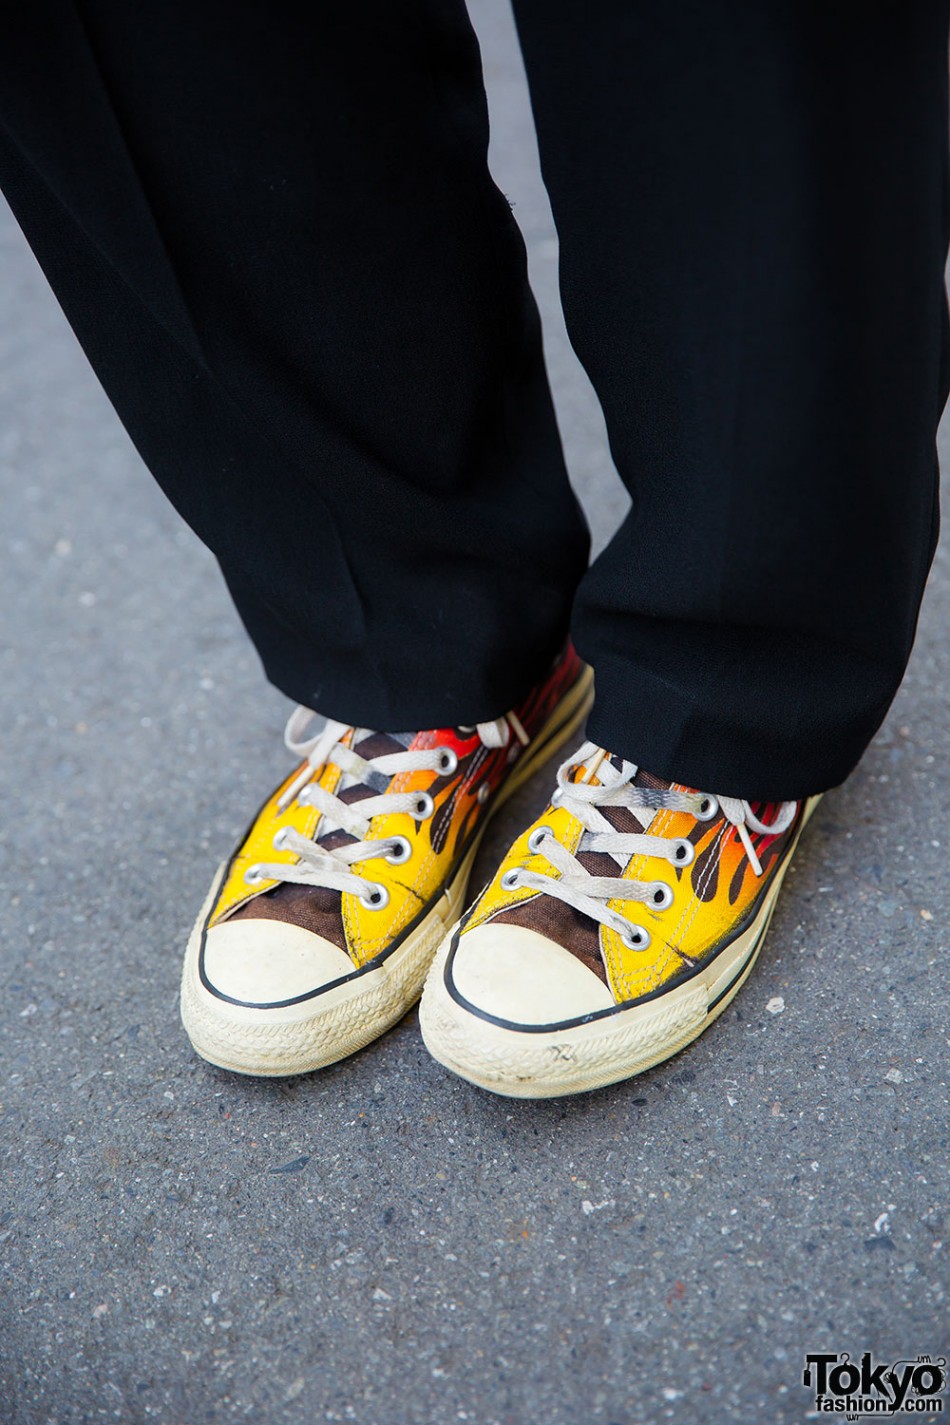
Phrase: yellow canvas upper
[712,896]
[461,799]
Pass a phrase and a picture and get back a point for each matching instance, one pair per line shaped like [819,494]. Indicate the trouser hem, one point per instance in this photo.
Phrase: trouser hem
[639,719]
[367,687]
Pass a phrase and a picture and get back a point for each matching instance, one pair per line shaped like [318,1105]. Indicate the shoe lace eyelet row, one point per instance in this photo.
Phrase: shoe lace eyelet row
[591,783]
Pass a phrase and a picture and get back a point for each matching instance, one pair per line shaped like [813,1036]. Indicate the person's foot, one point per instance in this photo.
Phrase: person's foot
[317,934]
[618,926]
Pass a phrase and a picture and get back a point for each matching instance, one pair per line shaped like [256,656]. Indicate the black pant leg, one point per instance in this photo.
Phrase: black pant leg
[273,230]
[752,208]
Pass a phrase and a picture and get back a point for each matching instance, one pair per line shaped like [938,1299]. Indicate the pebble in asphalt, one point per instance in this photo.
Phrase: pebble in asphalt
[381,1242]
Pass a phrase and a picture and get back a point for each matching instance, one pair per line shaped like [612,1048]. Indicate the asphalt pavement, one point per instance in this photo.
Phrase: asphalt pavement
[380,1242]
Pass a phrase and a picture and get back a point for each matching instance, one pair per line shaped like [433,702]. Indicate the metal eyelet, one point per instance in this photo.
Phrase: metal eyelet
[635,937]
[400,850]
[279,842]
[448,761]
[557,796]
[536,837]
[510,880]
[483,793]
[424,807]
[253,875]
[662,897]
[377,898]
[708,808]
[683,852]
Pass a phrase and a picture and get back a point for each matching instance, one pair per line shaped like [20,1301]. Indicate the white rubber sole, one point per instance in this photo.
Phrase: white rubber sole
[616,1045]
[336,1022]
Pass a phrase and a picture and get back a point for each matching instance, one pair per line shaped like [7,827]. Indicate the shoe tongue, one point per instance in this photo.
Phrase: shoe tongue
[627,820]
[317,908]
[572,929]
[647,779]
[366,744]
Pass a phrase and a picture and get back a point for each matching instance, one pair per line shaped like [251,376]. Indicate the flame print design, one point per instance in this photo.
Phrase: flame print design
[461,799]
[714,898]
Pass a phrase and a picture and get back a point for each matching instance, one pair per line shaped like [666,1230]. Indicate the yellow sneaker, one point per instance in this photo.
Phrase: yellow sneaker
[317,933]
[618,926]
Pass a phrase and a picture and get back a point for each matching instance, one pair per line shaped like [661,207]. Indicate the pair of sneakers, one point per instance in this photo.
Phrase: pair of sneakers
[616,928]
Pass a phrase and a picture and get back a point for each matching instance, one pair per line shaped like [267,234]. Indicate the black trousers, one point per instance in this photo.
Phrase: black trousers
[274,232]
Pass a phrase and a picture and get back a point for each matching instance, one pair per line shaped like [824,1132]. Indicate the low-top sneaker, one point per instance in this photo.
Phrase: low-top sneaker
[618,926]
[317,933]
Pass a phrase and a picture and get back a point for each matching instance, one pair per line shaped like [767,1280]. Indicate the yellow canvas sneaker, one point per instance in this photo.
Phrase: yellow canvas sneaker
[618,926]
[318,932]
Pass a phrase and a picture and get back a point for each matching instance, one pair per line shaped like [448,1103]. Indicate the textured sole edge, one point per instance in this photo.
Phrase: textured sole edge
[532,1065]
[301,1038]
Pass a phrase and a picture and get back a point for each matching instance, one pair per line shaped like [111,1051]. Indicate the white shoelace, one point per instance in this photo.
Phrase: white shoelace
[331,868]
[589,894]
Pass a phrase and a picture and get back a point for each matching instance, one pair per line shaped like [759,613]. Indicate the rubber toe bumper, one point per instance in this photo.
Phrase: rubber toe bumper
[266,998]
[265,963]
[512,974]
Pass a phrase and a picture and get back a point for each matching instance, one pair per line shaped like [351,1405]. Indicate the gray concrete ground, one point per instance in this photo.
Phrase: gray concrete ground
[380,1242]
